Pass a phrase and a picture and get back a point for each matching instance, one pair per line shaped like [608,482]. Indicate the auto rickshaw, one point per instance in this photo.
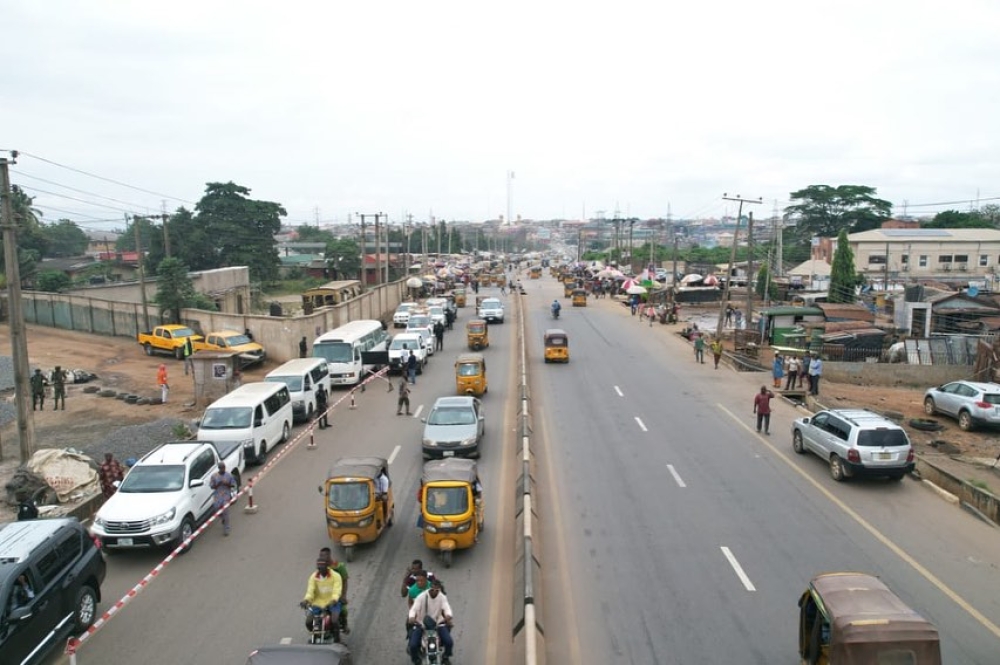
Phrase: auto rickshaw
[536,272]
[451,505]
[556,346]
[477,333]
[459,297]
[470,374]
[356,511]
[579,297]
[855,618]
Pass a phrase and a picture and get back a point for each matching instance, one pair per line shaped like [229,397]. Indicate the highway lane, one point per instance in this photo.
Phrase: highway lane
[663,473]
[229,595]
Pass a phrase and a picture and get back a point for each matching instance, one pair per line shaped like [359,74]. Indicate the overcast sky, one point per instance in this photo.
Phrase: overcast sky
[425,107]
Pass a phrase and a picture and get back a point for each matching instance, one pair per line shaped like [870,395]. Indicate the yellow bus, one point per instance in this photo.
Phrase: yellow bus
[331,293]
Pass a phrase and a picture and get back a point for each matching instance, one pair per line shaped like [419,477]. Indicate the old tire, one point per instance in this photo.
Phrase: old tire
[926,425]
[965,422]
[837,470]
[84,608]
[91,389]
[179,353]
[929,406]
[797,444]
[107,393]
[148,348]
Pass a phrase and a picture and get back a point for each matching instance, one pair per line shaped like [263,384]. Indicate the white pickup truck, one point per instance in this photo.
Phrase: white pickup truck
[165,496]
[410,342]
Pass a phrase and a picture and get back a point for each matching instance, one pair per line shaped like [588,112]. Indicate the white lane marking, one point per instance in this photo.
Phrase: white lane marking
[677,476]
[286,640]
[739,570]
[395,451]
[619,391]
[416,414]
[641,425]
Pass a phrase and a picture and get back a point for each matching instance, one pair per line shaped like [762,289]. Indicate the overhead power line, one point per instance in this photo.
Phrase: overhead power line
[129,204]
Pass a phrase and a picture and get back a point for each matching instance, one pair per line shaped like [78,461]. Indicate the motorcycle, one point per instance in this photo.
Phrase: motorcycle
[323,627]
[431,649]
[555,312]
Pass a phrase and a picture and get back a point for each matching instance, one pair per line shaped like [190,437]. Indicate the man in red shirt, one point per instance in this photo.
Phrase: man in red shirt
[762,407]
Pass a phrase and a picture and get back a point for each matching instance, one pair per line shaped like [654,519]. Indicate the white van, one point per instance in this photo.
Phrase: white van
[305,377]
[257,415]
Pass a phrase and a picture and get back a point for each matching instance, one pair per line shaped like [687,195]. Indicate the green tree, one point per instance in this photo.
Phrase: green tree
[313,234]
[31,241]
[52,281]
[65,238]
[843,277]
[991,213]
[824,210]
[765,287]
[953,219]
[241,229]
[343,258]
[175,291]
[191,242]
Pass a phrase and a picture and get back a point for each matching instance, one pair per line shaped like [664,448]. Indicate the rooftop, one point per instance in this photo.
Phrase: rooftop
[926,235]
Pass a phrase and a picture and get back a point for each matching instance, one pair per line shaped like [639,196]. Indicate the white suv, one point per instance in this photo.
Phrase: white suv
[402,315]
[491,310]
[855,442]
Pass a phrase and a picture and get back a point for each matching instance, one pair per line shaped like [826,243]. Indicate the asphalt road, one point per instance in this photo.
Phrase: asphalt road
[230,595]
[673,533]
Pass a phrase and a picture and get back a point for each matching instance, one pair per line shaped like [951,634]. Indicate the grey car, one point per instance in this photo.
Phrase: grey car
[855,442]
[970,402]
[454,428]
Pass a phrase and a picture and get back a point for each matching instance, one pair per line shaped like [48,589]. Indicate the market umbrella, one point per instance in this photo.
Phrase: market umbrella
[688,279]
[414,282]
[635,289]
[711,280]
[629,283]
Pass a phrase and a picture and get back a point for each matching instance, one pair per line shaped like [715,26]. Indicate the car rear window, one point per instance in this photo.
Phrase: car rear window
[992,398]
[882,438]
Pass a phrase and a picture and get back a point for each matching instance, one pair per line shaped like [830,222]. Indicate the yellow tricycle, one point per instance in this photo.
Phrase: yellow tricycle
[556,346]
[477,334]
[470,375]
[359,503]
[451,505]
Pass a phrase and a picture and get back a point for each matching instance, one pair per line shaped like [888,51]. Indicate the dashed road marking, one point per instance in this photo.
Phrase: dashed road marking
[619,391]
[642,426]
[739,570]
[677,476]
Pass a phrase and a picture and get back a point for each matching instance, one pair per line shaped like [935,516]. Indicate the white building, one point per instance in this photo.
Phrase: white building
[943,254]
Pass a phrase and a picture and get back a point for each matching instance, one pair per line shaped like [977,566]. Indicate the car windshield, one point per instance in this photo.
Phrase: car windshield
[882,438]
[227,417]
[447,500]
[148,479]
[400,344]
[349,496]
[294,383]
[334,352]
[452,416]
[402,309]
[491,303]
[183,332]
[419,321]
[236,340]
[437,311]
[468,369]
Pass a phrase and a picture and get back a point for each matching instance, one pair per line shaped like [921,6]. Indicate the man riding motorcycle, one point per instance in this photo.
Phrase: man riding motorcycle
[556,307]
[323,593]
[432,603]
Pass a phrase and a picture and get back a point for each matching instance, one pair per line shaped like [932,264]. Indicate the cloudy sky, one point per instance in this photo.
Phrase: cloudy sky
[424,108]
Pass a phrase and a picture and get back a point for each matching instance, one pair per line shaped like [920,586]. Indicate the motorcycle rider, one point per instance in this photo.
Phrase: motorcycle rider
[339,568]
[434,604]
[555,308]
[323,593]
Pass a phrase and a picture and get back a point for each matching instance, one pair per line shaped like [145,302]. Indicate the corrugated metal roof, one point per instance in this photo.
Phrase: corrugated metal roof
[846,311]
[791,311]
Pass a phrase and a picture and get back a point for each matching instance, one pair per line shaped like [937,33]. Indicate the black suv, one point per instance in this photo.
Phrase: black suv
[50,583]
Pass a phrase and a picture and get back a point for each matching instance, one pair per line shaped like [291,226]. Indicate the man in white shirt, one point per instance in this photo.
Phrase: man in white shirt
[434,604]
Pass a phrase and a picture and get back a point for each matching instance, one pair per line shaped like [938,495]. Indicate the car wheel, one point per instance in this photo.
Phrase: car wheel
[965,422]
[929,406]
[837,471]
[179,353]
[85,608]
[187,528]
[148,348]
[285,430]
[797,444]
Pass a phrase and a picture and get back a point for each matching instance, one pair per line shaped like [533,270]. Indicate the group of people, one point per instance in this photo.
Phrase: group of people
[38,384]
[808,370]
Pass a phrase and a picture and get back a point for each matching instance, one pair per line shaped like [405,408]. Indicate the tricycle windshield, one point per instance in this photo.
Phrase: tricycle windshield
[349,496]
[555,341]
[447,500]
[469,369]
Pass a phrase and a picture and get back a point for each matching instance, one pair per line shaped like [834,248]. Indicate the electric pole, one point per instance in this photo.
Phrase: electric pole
[142,273]
[18,337]
[166,235]
[732,260]
[750,268]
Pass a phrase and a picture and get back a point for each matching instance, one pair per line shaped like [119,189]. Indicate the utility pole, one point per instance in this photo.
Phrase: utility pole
[364,273]
[750,273]
[732,259]
[631,263]
[142,273]
[166,236]
[778,269]
[510,178]
[18,337]
[385,276]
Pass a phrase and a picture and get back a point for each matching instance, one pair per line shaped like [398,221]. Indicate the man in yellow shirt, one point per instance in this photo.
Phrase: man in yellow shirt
[323,593]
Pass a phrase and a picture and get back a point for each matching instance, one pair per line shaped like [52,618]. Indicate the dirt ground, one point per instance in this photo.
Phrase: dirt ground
[120,365]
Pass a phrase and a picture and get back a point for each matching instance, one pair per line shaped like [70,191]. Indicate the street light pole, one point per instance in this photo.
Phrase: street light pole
[732,259]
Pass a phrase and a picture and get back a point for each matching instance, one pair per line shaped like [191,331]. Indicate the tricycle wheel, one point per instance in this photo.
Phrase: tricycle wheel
[446,558]
[349,554]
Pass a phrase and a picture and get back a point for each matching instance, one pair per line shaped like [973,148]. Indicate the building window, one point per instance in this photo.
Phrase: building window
[923,261]
[984,260]
[876,259]
[905,259]
[944,258]
[961,258]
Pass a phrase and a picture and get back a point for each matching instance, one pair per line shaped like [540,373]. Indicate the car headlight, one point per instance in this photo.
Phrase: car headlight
[334,523]
[246,442]
[463,527]
[99,521]
[469,442]
[366,521]
[163,518]
[430,443]
[430,528]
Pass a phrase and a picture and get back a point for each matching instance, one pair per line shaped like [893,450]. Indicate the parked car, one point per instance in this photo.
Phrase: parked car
[970,402]
[420,322]
[856,442]
[51,573]
[412,343]
[454,428]
[402,314]
[231,340]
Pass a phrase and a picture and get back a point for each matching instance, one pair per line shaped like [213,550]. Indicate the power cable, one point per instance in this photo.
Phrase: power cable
[73,198]
[80,191]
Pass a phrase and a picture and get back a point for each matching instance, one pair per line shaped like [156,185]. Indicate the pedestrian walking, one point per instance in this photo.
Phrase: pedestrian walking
[404,399]
[321,408]
[793,373]
[716,347]
[729,316]
[762,407]
[804,379]
[58,388]
[699,349]
[38,391]
[109,472]
[815,372]
[303,348]
[188,351]
[223,484]
[634,303]
[650,314]
[411,368]
[778,370]
[439,336]
[503,290]
[738,316]
[161,380]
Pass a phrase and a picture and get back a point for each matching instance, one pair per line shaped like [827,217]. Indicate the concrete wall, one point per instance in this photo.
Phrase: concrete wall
[230,287]
[892,374]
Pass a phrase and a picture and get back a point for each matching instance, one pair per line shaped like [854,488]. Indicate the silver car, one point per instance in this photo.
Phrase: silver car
[969,402]
[855,442]
[454,428]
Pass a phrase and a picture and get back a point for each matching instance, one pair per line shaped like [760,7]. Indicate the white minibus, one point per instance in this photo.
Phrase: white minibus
[342,349]
[305,377]
[256,415]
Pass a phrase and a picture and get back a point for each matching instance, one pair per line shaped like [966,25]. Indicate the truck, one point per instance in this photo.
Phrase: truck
[168,339]
[165,496]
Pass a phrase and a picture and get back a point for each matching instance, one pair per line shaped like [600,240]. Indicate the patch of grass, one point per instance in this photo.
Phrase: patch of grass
[981,484]
[290,287]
